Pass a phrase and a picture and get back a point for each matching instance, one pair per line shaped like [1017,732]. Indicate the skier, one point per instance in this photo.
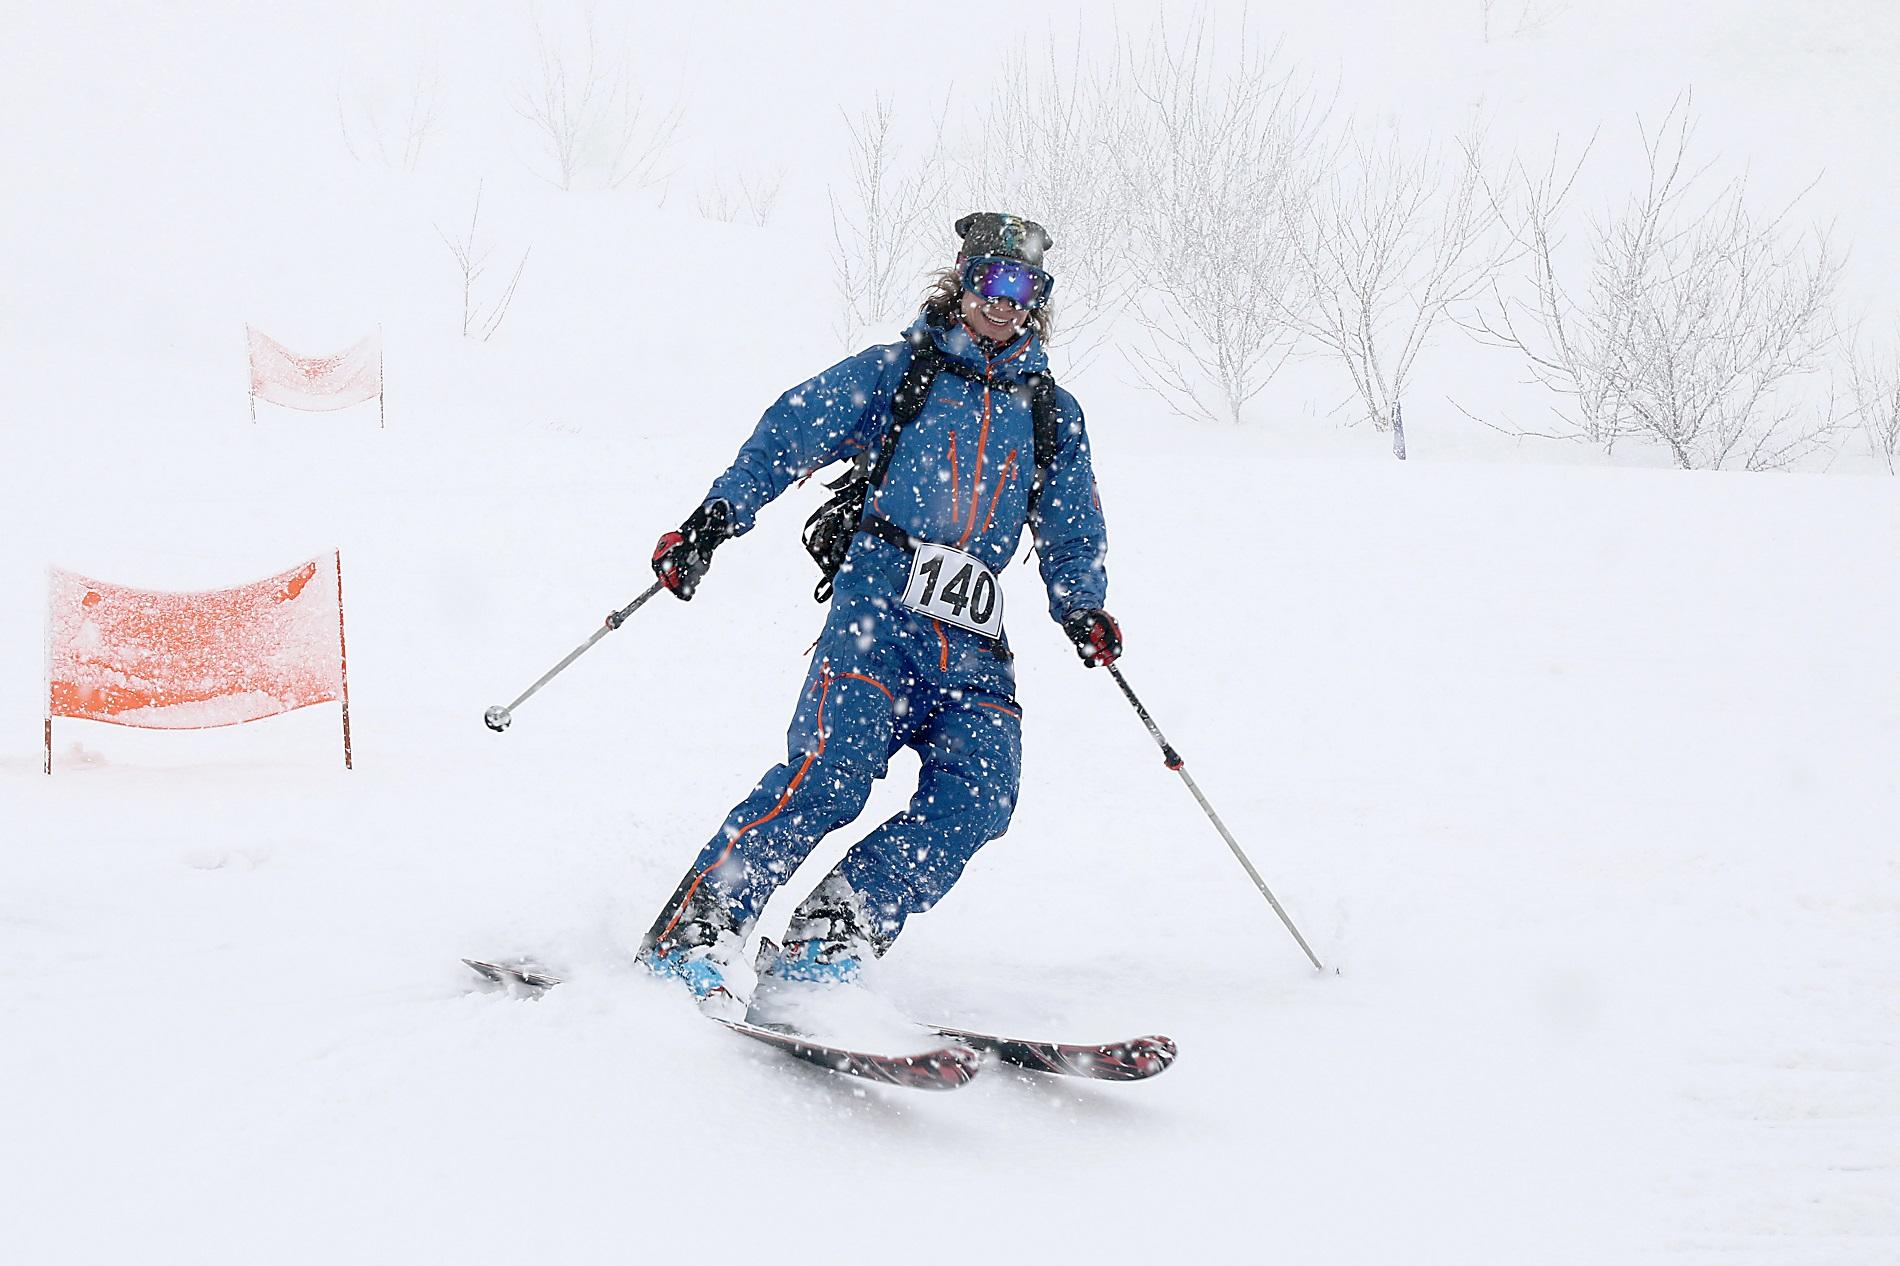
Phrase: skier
[949,468]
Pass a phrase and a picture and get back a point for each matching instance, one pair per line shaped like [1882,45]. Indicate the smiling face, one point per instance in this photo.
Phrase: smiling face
[998,320]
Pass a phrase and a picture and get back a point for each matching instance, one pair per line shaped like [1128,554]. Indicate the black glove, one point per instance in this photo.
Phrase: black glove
[681,558]
[1097,638]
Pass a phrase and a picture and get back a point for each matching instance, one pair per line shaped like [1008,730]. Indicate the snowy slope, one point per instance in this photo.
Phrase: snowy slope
[1581,778]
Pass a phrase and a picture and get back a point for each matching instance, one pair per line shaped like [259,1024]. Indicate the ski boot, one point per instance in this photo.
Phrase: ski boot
[825,943]
[703,950]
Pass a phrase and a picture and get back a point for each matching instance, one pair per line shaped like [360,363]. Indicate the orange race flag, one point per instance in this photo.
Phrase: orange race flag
[319,383]
[192,661]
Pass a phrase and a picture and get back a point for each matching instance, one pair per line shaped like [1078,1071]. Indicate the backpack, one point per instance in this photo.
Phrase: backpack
[830,530]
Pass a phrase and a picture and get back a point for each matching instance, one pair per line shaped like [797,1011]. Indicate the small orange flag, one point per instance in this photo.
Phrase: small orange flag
[321,383]
[186,661]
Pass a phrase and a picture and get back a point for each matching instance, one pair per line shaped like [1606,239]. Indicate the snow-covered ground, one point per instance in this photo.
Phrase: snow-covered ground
[1580,779]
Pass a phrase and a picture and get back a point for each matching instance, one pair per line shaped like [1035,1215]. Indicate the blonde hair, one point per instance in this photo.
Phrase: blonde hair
[943,304]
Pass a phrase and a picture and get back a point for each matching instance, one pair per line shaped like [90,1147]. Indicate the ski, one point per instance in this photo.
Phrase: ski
[1136,1059]
[520,973]
[946,1068]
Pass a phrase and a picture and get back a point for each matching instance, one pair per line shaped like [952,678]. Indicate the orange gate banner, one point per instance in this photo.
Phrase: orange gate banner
[352,376]
[187,661]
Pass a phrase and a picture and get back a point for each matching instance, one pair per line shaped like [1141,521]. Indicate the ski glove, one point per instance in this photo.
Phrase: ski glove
[681,558]
[1097,638]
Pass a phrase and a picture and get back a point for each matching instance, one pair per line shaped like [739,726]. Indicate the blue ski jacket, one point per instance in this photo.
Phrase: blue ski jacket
[963,467]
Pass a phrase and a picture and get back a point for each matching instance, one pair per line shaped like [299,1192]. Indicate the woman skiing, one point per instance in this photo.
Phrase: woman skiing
[960,440]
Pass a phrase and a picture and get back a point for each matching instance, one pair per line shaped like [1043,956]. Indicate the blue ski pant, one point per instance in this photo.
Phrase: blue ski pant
[881,678]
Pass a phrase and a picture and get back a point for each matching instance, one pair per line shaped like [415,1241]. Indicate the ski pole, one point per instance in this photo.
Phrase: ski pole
[498,717]
[1174,762]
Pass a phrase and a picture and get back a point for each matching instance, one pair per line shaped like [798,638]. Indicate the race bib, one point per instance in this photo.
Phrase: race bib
[954,586]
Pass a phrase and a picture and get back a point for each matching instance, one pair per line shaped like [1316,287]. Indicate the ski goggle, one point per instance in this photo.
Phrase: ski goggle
[993,277]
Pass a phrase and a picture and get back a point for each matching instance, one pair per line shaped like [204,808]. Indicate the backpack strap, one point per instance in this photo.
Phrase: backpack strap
[1042,408]
[841,518]
[913,392]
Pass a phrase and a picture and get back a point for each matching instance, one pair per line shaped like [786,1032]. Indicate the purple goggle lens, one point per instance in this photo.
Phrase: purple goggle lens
[993,278]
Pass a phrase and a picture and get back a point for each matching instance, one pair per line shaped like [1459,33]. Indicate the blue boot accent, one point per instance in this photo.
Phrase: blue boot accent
[802,963]
[718,987]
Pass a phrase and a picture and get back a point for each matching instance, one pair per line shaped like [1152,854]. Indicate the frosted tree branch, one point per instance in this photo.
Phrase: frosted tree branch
[591,121]
[882,224]
[1695,322]
[1390,243]
[1208,156]
[471,254]
[1873,379]
[390,132]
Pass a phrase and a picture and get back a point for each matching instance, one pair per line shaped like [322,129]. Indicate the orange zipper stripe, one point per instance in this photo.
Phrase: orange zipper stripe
[1002,482]
[880,685]
[982,444]
[976,478]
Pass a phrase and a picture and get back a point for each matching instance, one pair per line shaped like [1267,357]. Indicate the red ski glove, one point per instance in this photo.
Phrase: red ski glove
[1097,638]
[680,559]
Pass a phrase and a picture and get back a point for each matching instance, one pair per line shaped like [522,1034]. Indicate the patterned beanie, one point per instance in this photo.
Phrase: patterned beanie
[1003,235]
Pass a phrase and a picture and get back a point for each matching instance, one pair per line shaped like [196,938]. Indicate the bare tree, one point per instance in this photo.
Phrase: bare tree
[882,226]
[755,198]
[1391,242]
[1873,380]
[761,194]
[1055,172]
[591,118]
[718,203]
[1567,359]
[471,257]
[1207,161]
[1696,323]
[377,126]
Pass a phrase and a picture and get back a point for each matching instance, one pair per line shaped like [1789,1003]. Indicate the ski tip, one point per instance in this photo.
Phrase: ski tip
[523,972]
[490,970]
[1136,1059]
[1153,1055]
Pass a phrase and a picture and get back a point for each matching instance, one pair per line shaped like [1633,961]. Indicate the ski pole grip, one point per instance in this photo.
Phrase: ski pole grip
[617,618]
